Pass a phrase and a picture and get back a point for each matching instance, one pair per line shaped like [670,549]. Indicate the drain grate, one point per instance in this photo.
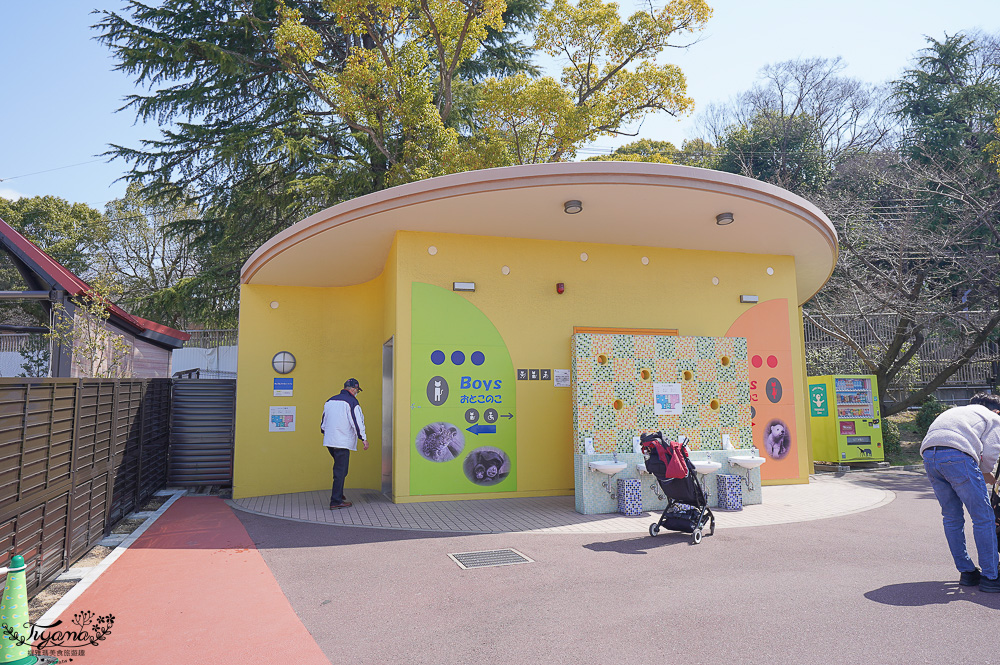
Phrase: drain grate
[484,559]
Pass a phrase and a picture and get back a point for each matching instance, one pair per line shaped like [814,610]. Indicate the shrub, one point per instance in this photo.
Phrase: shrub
[890,440]
[929,410]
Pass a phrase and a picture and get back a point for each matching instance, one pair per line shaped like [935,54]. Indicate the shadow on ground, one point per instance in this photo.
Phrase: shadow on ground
[642,544]
[919,594]
[912,482]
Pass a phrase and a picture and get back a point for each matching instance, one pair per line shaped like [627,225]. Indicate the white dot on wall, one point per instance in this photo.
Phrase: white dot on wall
[645,260]
[770,271]
[274,304]
[584,256]
[505,270]
[432,250]
[715,281]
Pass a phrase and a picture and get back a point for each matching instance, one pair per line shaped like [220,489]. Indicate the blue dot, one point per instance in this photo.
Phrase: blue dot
[437,357]
[457,357]
[478,358]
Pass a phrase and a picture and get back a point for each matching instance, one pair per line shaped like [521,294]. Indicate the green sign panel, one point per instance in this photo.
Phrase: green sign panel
[817,401]
[462,398]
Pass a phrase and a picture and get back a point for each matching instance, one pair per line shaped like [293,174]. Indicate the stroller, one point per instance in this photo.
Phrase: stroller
[687,508]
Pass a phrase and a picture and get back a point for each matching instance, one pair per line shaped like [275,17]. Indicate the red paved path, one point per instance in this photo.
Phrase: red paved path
[194,589]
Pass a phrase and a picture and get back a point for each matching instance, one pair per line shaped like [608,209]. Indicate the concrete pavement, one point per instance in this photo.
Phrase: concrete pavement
[874,585]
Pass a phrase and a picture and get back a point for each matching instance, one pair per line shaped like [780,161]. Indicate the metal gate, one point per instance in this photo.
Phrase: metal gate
[203,417]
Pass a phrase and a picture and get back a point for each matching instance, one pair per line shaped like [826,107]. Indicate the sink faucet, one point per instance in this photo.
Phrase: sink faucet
[614,454]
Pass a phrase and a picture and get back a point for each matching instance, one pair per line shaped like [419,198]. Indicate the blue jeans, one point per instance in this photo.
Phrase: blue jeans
[957,481]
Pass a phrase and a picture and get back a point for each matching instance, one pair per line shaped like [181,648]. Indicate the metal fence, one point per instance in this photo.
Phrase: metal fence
[76,455]
[936,352]
[210,339]
[202,432]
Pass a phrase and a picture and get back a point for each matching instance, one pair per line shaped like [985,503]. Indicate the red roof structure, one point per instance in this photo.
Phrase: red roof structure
[50,273]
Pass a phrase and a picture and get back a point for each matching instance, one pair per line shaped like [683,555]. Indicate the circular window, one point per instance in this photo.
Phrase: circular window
[688,375]
[724,361]
[602,359]
[645,374]
[618,405]
[283,362]
[714,405]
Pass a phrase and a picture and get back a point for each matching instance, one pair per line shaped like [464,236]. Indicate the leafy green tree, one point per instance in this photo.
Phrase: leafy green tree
[68,232]
[785,151]
[643,150]
[148,258]
[275,110]
[693,152]
[397,85]
[949,100]
[918,227]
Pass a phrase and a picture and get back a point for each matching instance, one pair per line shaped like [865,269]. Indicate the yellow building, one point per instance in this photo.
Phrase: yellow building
[454,301]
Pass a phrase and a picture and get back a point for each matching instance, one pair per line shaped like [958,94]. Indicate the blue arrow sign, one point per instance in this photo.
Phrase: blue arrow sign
[482,429]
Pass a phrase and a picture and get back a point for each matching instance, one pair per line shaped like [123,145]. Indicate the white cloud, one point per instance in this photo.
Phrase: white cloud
[10,194]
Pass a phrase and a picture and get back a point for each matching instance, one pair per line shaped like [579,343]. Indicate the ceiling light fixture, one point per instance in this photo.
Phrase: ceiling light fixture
[572,207]
[724,218]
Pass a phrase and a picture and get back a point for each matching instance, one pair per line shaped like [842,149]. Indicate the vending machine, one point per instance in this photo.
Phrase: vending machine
[845,419]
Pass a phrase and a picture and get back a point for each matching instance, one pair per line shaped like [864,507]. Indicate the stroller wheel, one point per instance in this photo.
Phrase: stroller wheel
[696,536]
[654,529]
[711,528]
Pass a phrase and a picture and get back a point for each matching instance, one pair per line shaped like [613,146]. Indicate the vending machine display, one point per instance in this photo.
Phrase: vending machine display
[846,424]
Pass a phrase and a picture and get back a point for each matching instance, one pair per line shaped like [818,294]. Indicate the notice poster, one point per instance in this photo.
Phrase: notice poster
[282,419]
[667,399]
[560,378]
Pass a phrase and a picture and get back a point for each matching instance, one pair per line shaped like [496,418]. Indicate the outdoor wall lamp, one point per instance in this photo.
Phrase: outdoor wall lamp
[724,218]
[283,362]
[560,287]
[748,299]
[463,286]
[572,207]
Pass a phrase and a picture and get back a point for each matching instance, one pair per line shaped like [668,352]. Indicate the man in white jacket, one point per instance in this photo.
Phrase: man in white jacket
[960,452]
[343,425]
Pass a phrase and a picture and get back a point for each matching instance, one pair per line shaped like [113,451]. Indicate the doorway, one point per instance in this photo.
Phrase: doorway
[387,394]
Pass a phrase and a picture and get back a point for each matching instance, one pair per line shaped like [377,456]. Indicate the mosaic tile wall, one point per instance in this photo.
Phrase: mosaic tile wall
[613,377]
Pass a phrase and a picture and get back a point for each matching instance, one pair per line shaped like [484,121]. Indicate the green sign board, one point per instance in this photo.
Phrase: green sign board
[817,401]
[462,398]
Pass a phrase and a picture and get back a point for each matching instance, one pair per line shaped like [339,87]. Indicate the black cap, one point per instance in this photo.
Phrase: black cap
[352,383]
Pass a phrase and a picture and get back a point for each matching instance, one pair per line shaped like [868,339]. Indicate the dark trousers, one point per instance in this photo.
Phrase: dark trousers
[341,460]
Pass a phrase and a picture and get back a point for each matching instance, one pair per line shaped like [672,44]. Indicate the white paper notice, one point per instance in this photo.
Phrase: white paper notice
[560,378]
[667,399]
[282,419]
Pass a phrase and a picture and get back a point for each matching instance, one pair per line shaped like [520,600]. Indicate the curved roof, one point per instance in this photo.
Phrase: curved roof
[624,203]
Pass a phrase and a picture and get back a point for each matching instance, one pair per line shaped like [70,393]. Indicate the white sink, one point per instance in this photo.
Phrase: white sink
[608,466]
[747,462]
[705,466]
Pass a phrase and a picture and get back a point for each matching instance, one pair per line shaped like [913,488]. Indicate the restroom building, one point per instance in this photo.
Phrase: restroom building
[467,304]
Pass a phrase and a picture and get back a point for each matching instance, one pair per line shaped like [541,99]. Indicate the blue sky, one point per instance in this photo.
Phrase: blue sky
[60,93]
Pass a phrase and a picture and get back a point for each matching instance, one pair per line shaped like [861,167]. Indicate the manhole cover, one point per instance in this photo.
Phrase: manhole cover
[505,557]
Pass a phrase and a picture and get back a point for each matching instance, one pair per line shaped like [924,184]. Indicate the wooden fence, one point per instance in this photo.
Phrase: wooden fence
[76,455]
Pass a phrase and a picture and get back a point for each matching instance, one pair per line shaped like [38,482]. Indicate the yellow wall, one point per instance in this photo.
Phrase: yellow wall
[337,333]
[611,289]
[334,334]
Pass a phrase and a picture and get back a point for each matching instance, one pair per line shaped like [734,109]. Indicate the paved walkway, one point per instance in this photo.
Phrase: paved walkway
[191,589]
[207,584]
[825,496]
